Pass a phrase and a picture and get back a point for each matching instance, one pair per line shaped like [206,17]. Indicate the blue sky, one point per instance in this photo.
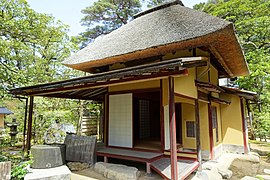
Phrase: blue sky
[69,11]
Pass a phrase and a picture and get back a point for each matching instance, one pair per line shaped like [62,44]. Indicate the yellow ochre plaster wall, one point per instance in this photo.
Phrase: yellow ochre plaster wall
[203,76]
[185,85]
[232,121]
[219,126]
[188,114]
[204,126]
[213,75]
[135,86]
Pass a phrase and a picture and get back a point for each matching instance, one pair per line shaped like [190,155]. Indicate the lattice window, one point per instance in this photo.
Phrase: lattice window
[144,116]
[190,128]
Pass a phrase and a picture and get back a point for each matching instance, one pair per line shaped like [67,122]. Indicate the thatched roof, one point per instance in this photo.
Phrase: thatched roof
[167,29]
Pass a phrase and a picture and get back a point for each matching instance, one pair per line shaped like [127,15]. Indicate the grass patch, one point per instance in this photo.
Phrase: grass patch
[260,143]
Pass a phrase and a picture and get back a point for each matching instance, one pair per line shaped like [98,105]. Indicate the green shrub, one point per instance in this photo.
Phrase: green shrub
[18,172]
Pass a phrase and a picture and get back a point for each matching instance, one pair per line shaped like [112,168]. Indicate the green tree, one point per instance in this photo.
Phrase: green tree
[32,46]
[104,16]
[252,23]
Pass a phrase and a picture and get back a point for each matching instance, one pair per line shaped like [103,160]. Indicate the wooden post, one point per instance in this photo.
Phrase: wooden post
[24,124]
[244,126]
[29,128]
[173,148]
[210,122]
[198,137]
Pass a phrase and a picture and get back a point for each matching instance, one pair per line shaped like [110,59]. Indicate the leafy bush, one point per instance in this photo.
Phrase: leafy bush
[18,172]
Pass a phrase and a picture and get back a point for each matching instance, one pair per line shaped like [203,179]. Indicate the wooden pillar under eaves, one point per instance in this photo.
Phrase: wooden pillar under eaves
[25,123]
[244,126]
[173,147]
[210,123]
[198,137]
[29,127]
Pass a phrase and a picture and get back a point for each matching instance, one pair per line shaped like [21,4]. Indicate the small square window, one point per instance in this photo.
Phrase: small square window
[190,128]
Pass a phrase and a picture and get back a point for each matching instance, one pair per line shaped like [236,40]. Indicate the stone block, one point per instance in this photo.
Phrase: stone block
[225,173]
[5,170]
[57,173]
[249,178]
[77,166]
[265,177]
[266,171]
[100,167]
[117,171]
[207,175]
[48,156]
[121,172]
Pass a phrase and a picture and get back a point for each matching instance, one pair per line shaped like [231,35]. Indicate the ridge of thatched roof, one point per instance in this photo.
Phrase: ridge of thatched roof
[163,31]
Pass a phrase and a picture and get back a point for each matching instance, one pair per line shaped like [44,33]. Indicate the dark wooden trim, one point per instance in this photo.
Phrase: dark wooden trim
[135,149]
[24,124]
[184,96]
[184,152]
[173,146]
[198,135]
[106,125]
[210,126]
[81,85]
[29,128]
[243,125]
[135,91]
[161,118]
[203,96]
[124,157]
[183,158]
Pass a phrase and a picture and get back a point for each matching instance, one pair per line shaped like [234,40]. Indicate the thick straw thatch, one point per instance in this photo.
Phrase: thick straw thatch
[163,31]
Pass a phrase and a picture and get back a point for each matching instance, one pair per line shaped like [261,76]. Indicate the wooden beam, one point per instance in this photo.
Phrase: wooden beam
[173,147]
[244,126]
[90,81]
[210,123]
[30,120]
[81,86]
[161,117]
[198,137]
[220,60]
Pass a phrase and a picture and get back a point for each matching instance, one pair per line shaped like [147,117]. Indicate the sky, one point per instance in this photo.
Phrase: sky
[69,11]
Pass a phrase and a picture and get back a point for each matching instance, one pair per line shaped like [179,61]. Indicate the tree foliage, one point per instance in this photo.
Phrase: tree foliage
[32,46]
[252,23]
[104,16]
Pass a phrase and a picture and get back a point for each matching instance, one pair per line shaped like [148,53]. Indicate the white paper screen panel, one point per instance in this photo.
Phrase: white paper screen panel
[120,120]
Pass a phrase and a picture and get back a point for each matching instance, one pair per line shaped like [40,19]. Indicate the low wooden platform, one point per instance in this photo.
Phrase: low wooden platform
[140,156]
[156,161]
[163,167]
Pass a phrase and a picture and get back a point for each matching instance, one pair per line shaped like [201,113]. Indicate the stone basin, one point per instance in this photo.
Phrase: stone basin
[48,156]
